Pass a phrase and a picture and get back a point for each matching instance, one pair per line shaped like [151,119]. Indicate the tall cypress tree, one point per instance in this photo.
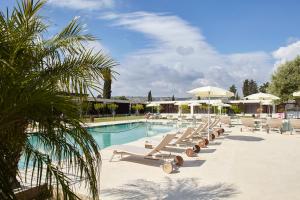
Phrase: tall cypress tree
[149,96]
[107,84]
[233,90]
[253,87]
[173,98]
[246,88]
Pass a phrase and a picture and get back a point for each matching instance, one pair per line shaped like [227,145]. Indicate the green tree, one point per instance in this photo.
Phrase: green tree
[149,96]
[233,90]
[245,88]
[263,88]
[158,109]
[107,76]
[173,98]
[137,108]
[249,87]
[185,108]
[286,80]
[122,98]
[112,107]
[253,87]
[236,109]
[85,107]
[99,106]
[35,69]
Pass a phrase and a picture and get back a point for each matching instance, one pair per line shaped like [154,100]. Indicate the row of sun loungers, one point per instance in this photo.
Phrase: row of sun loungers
[269,124]
[192,139]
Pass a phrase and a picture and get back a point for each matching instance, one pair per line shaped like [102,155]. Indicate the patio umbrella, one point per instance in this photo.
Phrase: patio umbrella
[192,105]
[262,96]
[296,94]
[220,105]
[209,92]
[153,104]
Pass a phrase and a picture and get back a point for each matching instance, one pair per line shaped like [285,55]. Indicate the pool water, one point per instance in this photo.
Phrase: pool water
[109,135]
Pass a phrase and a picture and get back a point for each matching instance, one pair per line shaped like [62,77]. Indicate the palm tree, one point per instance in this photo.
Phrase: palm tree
[107,76]
[37,77]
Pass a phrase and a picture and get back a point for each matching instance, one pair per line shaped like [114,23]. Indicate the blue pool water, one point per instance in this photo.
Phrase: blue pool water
[123,133]
[106,136]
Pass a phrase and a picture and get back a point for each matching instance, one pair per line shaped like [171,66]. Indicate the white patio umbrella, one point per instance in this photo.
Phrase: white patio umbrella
[153,104]
[192,105]
[209,92]
[221,105]
[262,96]
[296,94]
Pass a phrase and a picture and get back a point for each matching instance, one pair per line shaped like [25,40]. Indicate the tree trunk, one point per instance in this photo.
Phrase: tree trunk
[107,89]
[11,145]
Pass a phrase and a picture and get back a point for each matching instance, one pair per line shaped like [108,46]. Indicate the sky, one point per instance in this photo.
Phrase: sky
[172,46]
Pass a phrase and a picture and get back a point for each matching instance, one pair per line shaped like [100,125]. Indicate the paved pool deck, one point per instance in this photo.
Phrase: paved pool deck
[237,165]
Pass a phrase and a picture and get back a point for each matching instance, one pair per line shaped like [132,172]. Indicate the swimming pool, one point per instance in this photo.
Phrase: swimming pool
[108,135]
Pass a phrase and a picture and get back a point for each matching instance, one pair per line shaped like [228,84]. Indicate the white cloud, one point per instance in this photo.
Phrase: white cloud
[97,46]
[179,59]
[287,53]
[83,4]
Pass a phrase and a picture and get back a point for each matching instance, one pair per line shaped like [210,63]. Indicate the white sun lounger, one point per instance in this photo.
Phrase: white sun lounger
[142,151]
[154,153]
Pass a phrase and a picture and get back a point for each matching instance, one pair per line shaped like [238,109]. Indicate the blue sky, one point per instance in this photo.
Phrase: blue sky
[171,46]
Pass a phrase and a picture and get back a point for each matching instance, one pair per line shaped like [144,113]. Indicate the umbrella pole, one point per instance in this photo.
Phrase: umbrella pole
[208,116]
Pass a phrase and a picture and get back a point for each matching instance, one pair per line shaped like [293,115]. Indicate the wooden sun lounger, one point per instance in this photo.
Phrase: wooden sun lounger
[274,124]
[154,153]
[295,124]
[248,123]
[184,138]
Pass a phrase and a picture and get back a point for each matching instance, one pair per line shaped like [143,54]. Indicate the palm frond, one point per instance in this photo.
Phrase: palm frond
[34,72]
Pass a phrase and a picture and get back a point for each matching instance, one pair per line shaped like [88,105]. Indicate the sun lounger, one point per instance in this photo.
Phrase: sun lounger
[248,123]
[295,125]
[272,124]
[185,138]
[225,120]
[214,128]
[154,153]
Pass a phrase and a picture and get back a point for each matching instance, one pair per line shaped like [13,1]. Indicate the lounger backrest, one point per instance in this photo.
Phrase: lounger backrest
[163,143]
[200,127]
[225,120]
[274,123]
[204,119]
[295,123]
[184,135]
[199,130]
[248,122]
[214,122]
